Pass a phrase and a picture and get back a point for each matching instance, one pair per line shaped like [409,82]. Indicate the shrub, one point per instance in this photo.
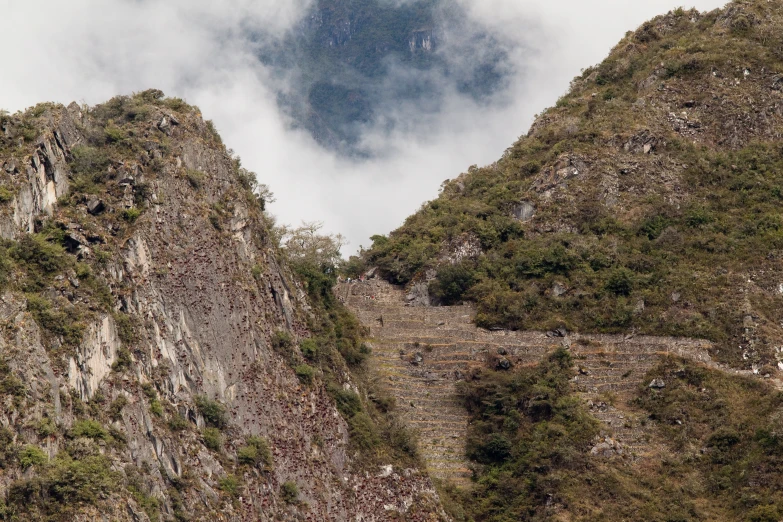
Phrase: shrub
[213,412]
[115,134]
[230,485]
[353,351]
[90,429]
[11,385]
[347,401]
[35,252]
[131,215]
[178,423]
[156,408]
[620,282]
[32,456]
[214,220]
[364,434]
[282,341]
[195,178]
[255,453]
[46,427]
[309,349]
[115,410]
[65,482]
[452,283]
[305,373]
[212,439]
[290,492]
[62,321]
[6,196]
[123,361]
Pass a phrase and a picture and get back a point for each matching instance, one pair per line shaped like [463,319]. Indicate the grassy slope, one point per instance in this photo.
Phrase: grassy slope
[657,185]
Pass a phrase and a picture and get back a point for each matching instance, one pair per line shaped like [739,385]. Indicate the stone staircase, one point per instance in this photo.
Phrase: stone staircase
[420,353]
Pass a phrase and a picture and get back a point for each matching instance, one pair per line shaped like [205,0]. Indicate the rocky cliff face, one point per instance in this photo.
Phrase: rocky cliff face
[149,333]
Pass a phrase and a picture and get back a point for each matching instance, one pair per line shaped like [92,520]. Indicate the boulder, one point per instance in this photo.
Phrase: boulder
[504,364]
[95,206]
[524,211]
[657,384]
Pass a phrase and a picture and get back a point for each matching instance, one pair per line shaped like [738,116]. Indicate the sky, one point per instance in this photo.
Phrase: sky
[90,50]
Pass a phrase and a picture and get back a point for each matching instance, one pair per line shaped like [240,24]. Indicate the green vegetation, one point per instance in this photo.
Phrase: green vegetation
[178,423]
[212,439]
[230,485]
[60,487]
[115,410]
[727,429]
[530,435]
[131,215]
[290,492]
[32,456]
[10,384]
[649,257]
[213,412]
[90,429]
[6,196]
[256,453]
[527,429]
[305,373]
[338,345]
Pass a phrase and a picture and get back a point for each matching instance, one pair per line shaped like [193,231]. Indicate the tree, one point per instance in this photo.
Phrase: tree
[305,245]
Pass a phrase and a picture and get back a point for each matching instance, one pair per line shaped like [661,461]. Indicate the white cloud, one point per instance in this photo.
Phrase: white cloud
[90,50]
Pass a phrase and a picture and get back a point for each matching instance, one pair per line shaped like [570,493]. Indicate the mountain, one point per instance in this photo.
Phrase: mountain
[352,65]
[643,208]
[159,358]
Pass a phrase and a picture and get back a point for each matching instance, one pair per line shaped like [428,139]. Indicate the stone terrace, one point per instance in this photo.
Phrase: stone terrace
[420,353]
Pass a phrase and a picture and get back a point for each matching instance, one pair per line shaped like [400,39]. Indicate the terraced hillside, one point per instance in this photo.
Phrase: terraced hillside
[420,353]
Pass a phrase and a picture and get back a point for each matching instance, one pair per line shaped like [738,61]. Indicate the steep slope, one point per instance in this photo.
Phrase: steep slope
[638,213]
[149,362]
[646,200]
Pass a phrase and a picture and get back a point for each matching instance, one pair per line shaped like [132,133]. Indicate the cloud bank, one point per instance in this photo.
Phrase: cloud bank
[90,50]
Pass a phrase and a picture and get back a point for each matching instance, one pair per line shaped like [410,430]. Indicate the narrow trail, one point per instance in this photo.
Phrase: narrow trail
[420,353]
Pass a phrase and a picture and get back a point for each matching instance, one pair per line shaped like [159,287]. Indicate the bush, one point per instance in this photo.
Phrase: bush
[353,351]
[364,434]
[347,401]
[65,482]
[212,439]
[282,341]
[131,215]
[115,410]
[309,349]
[115,134]
[90,429]
[452,283]
[156,408]
[178,423]
[255,453]
[37,253]
[195,178]
[230,485]
[123,361]
[32,456]
[62,321]
[6,196]
[46,427]
[305,373]
[290,492]
[213,412]
[620,282]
